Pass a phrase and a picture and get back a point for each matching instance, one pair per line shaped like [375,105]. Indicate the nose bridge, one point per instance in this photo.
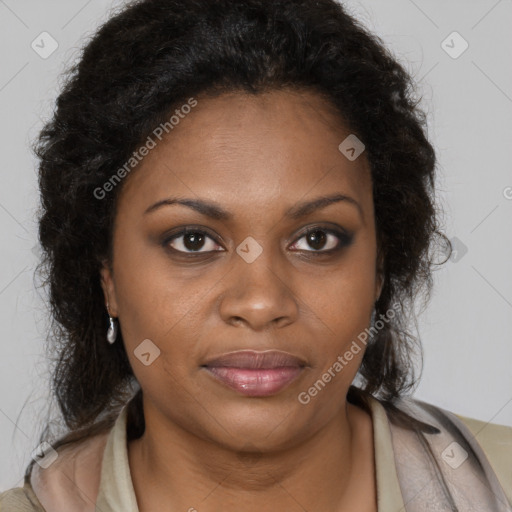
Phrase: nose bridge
[258,265]
[257,290]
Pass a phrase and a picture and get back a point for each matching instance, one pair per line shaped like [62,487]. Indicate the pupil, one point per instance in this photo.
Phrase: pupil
[194,238]
[314,239]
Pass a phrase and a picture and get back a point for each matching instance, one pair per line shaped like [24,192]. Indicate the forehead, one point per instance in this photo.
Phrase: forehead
[265,149]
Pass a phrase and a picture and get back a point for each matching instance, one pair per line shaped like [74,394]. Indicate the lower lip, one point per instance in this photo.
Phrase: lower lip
[255,382]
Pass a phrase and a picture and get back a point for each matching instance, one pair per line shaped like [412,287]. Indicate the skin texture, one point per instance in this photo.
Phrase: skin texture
[205,445]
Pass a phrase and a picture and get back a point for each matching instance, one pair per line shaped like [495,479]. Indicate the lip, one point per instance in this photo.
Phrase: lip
[254,373]
[256,359]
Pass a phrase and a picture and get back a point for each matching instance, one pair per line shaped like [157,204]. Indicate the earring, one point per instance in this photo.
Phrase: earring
[112,328]
[372,320]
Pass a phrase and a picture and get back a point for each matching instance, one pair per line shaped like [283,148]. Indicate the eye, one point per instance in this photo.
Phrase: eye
[192,240]
[323,240]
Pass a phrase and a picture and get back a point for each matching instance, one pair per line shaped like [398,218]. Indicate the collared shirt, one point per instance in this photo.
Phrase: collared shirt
[115,491]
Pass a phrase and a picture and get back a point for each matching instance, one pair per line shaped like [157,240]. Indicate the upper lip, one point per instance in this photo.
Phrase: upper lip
[256,359]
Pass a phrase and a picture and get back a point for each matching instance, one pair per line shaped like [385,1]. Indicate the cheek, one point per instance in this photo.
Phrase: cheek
[342,302]
[162,303]
[344,293]
[153,294]
[155,306]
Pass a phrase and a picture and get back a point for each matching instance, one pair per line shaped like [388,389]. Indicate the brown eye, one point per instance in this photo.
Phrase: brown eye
[323,240]
[192,241]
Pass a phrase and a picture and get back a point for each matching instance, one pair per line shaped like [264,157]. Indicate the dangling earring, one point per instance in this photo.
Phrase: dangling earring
[112,328]
[372,320]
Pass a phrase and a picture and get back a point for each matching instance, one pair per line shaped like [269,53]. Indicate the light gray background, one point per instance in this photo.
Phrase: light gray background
[465,331]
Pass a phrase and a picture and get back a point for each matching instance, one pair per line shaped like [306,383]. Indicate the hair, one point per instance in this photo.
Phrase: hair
[148,59]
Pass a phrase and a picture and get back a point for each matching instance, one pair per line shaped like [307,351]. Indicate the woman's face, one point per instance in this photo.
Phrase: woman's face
[251,278]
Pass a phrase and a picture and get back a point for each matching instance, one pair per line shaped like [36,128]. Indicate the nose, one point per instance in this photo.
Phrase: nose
[259,294]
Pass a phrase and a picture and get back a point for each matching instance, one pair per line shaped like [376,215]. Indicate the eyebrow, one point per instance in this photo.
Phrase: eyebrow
[216,212]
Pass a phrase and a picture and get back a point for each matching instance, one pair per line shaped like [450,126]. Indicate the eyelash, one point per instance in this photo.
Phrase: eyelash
[344,238]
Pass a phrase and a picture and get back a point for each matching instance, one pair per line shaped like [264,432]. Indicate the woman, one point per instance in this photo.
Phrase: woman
[237,216]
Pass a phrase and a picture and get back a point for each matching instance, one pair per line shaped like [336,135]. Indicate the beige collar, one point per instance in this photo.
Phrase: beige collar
[389,495]
[116,490]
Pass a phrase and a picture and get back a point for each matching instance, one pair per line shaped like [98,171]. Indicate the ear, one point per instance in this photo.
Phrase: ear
[109,291]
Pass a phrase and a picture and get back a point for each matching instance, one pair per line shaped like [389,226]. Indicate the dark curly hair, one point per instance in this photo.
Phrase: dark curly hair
[148,59]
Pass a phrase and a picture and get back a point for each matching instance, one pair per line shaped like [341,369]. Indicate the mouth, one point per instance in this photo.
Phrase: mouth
[255,374]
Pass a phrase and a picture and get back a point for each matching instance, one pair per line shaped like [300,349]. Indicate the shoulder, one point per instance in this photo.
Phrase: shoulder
[70,481]
[496,442]
[20,499]
[73,478]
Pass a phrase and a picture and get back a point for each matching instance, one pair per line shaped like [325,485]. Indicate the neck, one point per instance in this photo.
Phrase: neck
[324,472]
